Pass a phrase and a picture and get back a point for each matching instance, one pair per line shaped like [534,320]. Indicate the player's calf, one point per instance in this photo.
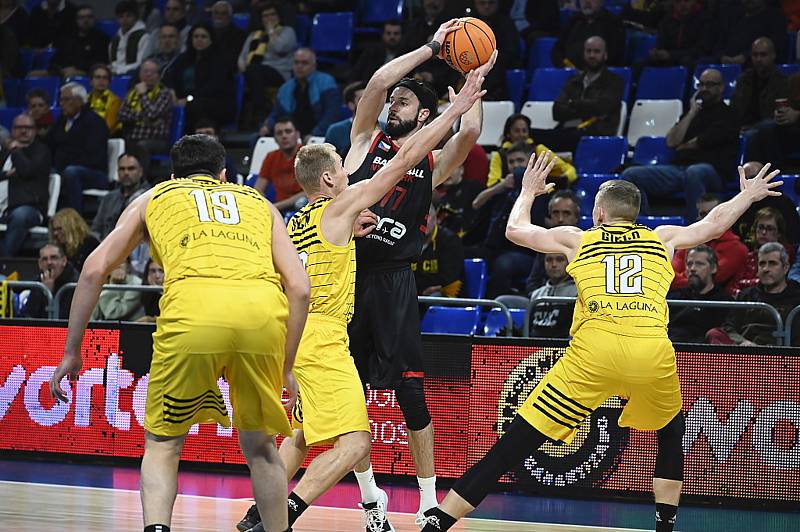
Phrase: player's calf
[668,474]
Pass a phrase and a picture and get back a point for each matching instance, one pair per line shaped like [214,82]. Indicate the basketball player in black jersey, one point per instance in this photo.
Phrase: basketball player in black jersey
[384,332]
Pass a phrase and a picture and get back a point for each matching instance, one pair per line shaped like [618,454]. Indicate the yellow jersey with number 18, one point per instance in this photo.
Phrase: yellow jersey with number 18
[214,241]
[623,273]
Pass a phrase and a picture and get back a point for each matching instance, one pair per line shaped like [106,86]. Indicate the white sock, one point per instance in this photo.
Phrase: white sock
[366,483]
[427,493]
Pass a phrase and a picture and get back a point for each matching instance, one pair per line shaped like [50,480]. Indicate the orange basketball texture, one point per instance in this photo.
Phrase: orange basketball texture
[469,46]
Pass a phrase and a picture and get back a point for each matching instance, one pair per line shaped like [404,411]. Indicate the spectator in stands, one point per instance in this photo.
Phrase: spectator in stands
[146,113]
[690,324]
[266,60]
[226,33]
[25,165]
[54,272]
[758,88]
[69,231]
[168,48]
[541,19]
[39,109]
[706,142]
[278,167]
[740,26]
[563,209]
[120,305]
[553,320]
[794,271]
[153,276]
[375,56]
[647,14]
[15,18]
[76,54]
[131,44]
[783,204]
[204,126]
[202,80]
[593,20]
[439,269]
[756,326]
[149,14]
[175,14]
[419,30]
[683,36]
[507,37]
[78,141]
[101,100]
[311,98]
[338,133]
[779,141]
[51,22]
[131,185]
[730,253]
[517,129]
[588,104]
[453,200]
[768,226]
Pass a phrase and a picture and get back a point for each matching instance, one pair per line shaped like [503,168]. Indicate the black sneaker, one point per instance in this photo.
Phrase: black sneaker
[250,520]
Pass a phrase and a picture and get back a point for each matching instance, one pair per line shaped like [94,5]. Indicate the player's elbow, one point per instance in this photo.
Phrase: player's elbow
[513,233]
[470,130]
[298,289]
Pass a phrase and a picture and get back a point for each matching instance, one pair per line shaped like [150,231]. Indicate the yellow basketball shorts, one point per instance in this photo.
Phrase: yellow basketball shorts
[331,399]
[597,365]
[183,387]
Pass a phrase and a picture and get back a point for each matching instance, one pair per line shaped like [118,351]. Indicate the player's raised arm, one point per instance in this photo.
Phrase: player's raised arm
[521,231]
[724,215]
[368,192]
[369,108]
[114,249]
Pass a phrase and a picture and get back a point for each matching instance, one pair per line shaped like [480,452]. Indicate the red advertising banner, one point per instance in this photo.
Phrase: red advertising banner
[742,415]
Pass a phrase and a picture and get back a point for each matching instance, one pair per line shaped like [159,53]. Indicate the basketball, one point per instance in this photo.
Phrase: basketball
[470,45]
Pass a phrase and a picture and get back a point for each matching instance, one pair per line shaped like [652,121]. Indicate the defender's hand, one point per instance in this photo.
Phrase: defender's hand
[469,94]
[535,179]
[760,186]
[365,223]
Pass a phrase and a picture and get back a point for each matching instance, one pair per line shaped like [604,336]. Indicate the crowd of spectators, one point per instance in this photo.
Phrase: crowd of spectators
[188,54]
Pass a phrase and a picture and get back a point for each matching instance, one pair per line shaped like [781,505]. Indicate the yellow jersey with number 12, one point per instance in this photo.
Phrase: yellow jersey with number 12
[623,273]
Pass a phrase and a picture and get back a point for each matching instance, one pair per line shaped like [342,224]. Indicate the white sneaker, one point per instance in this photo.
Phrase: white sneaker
[375,519]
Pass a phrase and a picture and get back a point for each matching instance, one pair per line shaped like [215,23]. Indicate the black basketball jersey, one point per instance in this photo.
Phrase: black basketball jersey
[400,232]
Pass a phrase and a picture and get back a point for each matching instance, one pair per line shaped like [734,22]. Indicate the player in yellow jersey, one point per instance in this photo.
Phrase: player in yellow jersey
[331,405]
[619,340]
[234,305]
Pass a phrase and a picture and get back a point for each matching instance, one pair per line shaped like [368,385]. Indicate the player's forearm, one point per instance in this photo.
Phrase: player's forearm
[426,139]
[84,301]
[676,135]
[519,222]
[471,123]
[389,74]
[723,216]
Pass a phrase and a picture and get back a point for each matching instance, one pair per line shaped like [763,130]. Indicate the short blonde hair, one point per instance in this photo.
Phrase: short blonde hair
[311,162]
[620,199]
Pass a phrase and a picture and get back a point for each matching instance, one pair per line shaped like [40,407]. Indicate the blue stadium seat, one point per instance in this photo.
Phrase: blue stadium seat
[238,80]
[495,320]
[451,320]
[109,26]
[587,187]
[729,73]
[49,84]
[332,33]
[83,80]
[662,84]
[790,69]
[8,114]
[241,20]
[614,10]
[376,12]
[120,85]
[476,276]
[269,193]
[789,187]
[585,222]
[515,86]
[540,56]
[12,90]
[599,155]
[626,75]
[302,28]
[652,150]
[564,16]
[26,60]
[791,47]
[41,58]
[638,45]
[176,128]
[546,83]
[654,221]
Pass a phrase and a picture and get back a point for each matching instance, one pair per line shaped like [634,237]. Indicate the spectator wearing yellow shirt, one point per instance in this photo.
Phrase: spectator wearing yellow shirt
[102,101]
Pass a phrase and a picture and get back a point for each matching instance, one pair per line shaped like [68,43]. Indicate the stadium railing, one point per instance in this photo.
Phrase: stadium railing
[467,302]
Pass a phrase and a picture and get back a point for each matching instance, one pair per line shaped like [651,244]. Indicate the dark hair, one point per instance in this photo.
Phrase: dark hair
[37,93]
[197,154]
[190,51]
[126,7]
[132,154]
[392,22]
[170,25]
[510,122]
[708,197]
[709,251]
[350,91]
[424,93]
[204,123]
[81,7]
[97,66]
[270,5]
[284,119]
[520,146]
[565,194]
[149,299]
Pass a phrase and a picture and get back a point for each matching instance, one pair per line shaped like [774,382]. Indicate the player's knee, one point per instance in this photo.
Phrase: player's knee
[669,461]
[357,445]
[411,399]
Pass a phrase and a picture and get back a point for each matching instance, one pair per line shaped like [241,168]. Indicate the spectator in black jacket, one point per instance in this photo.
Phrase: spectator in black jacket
[51,22]
[588,104]
[15,18]
[593,20]
[542,17]
[706,142]
[76,54]
[507,37]
[25,163]
[757,88]
[230,37]
[55,271]
[740,26]
[78,141]
[683,36]
[441,263]
[690,324]
[375,56]
[131,186]
[203,80]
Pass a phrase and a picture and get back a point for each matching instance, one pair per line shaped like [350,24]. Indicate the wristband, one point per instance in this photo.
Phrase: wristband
[435,46]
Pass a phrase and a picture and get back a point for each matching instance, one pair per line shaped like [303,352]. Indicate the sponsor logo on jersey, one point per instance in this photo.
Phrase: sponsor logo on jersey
[379,162]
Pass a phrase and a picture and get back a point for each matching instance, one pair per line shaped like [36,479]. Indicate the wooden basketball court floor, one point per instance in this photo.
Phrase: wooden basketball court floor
[88,498]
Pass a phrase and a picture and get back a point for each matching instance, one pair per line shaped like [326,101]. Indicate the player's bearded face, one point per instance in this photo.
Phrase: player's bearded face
[397,127]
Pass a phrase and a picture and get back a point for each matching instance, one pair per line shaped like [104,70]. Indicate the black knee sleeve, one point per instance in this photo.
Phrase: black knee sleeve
[669,461]
[519,441]
[411,399]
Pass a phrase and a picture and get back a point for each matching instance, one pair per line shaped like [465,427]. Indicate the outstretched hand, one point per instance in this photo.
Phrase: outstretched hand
[70,366]
[469,93]
[760,186]
[535,179]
